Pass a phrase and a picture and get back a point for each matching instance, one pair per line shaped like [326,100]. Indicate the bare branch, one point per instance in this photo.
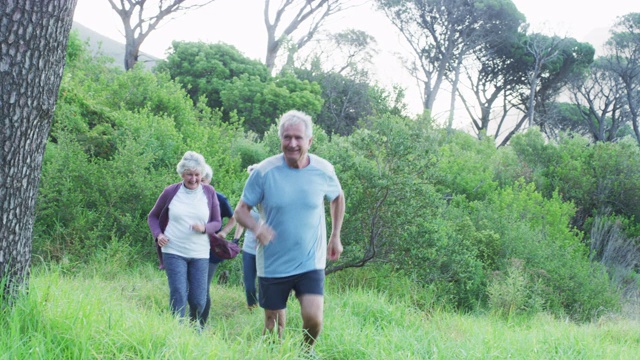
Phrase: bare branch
[291,16]
[139,23]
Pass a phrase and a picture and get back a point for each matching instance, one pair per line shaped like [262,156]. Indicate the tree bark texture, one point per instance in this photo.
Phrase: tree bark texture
[33,45]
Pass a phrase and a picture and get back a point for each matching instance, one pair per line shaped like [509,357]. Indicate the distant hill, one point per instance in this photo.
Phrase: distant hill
[110,47]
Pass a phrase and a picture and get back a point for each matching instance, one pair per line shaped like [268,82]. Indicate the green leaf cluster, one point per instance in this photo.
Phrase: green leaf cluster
[227,81]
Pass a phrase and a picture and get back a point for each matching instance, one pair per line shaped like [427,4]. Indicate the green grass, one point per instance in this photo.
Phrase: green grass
[97,314]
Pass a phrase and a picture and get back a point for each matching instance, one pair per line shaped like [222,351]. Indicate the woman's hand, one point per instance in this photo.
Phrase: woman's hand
[162,240]
[199,228]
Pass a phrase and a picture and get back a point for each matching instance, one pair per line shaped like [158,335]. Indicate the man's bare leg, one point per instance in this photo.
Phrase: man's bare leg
[312,309]
[273,317]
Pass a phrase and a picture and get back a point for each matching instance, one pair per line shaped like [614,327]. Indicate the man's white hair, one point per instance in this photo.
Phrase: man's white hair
[293,117]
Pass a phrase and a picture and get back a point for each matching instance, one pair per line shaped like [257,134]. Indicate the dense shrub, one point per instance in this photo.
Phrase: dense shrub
[464,166]
[620,253]
[598,178]
[114,146]
[535,232]
[86,201]
[394,213]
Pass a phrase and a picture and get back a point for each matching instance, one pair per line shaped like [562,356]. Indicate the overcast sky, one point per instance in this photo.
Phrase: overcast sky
[240,23]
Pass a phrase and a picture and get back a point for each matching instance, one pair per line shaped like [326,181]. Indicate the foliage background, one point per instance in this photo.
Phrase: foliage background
[533,227]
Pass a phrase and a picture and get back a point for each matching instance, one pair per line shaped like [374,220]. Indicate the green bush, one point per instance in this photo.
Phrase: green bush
[85,202]
[441,255]
[598,178]
[394,213]
[536,231]
[515,291]
[113,148]
[464,166]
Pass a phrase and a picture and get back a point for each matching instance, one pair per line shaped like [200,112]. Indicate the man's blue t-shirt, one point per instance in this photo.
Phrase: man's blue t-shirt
[292,204]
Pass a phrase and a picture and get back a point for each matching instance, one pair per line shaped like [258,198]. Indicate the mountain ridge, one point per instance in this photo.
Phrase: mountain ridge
[107,46]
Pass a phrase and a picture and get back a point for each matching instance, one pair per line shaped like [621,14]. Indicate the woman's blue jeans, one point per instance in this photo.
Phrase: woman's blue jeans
[207,307]
[249,278]
[187,284]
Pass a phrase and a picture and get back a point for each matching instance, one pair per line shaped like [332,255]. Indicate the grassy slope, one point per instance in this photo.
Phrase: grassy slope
[122,314]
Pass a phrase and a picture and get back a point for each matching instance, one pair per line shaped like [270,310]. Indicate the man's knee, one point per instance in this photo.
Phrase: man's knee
[312,308]
[312,323]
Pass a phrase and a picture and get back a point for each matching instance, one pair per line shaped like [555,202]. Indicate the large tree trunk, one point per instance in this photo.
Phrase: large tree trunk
[33,44]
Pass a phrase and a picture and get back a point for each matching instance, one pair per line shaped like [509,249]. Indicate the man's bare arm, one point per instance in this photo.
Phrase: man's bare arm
[337,208]
[242,214]
[262,231]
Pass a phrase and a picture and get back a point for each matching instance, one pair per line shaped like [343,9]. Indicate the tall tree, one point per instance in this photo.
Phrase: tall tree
[572,63]
[33,42]
[442,33]
[346,101]
[543,49]
[348,53]
[305,17]
[599,100]
[340,64]
[552,62]
[141,17]
[260,103]
[492,78]
[478,23]
[623,48]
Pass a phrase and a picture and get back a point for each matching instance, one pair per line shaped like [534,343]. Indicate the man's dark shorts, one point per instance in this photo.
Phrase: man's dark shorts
[274,292]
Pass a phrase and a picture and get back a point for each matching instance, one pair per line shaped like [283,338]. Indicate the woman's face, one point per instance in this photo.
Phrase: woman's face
[192,179]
